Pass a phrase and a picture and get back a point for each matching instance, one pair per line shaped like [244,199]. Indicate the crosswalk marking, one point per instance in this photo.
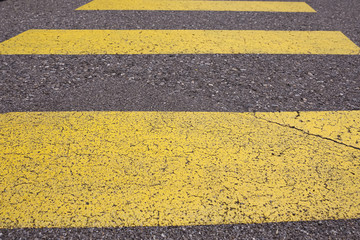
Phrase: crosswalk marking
[106,169]
[110,169]
[178,42]
[261,6]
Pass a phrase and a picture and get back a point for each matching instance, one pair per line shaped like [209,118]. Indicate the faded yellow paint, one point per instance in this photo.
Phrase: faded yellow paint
[107,169]
[178,42]
[163,5]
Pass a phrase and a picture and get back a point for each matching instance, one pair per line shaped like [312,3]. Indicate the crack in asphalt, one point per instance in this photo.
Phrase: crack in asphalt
[307,133]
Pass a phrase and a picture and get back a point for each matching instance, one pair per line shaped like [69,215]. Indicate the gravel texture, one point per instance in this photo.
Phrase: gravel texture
[341,229]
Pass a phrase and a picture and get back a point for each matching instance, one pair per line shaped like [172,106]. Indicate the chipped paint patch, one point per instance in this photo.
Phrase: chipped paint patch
[108,169]
[163,5]
[80,42]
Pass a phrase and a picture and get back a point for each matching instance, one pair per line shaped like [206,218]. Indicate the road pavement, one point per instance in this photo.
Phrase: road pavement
[211,82]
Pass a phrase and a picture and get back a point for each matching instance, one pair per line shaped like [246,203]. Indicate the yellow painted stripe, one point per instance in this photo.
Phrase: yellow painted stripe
[261,6]
[178,42]
[107,169]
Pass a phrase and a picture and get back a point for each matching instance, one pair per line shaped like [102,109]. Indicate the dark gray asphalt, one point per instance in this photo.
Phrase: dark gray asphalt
[180,83]
[238,83]
[342,229]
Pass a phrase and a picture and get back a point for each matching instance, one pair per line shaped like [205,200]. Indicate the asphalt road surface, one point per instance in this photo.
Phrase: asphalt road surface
[208,82]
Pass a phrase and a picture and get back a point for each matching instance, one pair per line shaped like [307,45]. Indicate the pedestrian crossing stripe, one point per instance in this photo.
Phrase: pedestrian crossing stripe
[83,42]
[111,169]
[168,5]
